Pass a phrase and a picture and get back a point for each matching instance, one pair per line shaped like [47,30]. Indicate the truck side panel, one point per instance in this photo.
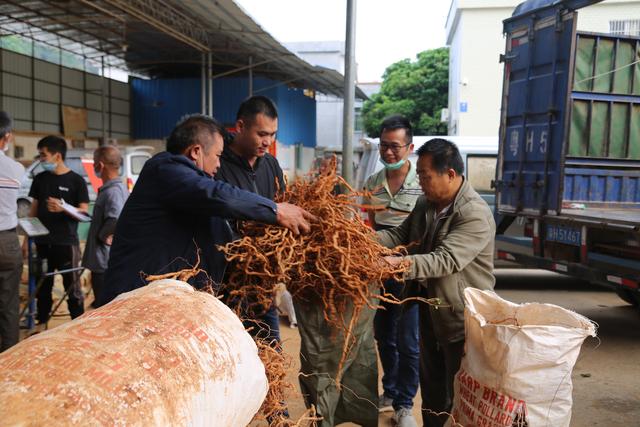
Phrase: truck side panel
[532,132]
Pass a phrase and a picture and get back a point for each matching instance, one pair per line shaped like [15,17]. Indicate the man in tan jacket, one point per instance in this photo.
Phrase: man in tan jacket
[455,230]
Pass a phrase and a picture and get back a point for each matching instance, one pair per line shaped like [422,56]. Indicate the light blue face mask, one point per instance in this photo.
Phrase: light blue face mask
[49,166]
[393,166]
[98,173]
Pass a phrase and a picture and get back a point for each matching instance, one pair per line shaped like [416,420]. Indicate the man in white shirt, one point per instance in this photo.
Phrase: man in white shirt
[11,173]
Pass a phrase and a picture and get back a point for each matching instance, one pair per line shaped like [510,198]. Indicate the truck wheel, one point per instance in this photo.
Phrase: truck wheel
[24,206]
[628,296]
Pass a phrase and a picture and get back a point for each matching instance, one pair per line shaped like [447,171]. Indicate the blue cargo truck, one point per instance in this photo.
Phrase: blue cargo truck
[569,148]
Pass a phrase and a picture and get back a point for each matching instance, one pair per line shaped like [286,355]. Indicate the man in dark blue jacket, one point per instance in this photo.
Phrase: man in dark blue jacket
[177,208]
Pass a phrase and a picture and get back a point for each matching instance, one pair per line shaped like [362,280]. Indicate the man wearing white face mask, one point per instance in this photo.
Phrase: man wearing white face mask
[111,197]
[10,255]
[395,190]
[61,247]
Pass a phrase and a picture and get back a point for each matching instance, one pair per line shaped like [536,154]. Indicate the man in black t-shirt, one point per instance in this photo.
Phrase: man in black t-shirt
[50,190]
[247,164]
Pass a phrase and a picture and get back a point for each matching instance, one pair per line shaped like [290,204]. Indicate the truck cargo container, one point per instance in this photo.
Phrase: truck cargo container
[569,147]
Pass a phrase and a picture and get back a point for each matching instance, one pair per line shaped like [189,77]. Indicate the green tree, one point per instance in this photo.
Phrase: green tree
[416,89]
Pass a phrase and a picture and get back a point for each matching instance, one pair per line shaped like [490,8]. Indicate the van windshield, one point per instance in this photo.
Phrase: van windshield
[137,162]
[481,170]
[75,164]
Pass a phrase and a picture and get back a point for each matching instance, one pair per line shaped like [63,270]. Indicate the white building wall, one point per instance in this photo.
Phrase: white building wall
[596,18]
[329,118]
[295,161]
[474,34]
[455,56]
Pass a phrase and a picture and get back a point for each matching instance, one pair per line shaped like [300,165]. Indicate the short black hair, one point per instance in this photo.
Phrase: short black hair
[444,155]
[6,124]
[187,130]
[255,105]
[397,121]
[54,144]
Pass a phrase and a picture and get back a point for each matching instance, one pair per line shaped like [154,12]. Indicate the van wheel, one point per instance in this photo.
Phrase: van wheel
[628,296]
[24,206]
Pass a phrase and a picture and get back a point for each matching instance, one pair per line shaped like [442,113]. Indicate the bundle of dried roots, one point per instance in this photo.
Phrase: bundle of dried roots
[338,265]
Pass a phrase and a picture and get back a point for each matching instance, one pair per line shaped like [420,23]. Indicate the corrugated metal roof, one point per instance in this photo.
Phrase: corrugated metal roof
[240,28]
[165,38]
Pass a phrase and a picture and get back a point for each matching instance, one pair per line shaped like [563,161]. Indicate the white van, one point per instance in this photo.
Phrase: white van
[133,159]
[479,155]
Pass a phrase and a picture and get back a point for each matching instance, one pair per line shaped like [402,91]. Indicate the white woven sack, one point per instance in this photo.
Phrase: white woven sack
[162,355]
[518,363]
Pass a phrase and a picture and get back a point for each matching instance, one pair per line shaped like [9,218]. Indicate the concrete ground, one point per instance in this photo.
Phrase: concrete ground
[606,378]
[607,375]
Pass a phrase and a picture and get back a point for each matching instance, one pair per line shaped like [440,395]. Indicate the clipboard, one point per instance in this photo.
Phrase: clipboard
[74,212]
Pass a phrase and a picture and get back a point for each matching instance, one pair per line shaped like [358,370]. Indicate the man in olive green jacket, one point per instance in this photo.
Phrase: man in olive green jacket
[455,231]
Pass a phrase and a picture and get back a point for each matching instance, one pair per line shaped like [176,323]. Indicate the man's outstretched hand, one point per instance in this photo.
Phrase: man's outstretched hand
[294,218]
[393,261]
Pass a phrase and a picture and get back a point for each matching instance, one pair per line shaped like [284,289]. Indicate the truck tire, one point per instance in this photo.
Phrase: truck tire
[628,296]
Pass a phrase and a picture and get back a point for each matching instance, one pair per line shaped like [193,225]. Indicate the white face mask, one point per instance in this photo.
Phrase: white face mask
[6,147]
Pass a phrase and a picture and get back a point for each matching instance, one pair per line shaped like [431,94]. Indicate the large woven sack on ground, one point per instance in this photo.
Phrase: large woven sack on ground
[161,355]
[518,362]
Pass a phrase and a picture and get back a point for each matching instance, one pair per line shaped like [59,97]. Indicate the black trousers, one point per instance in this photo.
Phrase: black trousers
[60,257]
[439,363]
[97,284]
[10,272]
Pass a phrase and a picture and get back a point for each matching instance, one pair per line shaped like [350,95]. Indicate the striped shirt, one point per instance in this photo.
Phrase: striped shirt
[396,207]
[11,172]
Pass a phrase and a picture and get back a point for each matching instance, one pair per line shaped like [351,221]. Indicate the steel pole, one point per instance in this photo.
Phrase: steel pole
[349,93]
[250,75]
[210,80]
[103,103]
[203,86]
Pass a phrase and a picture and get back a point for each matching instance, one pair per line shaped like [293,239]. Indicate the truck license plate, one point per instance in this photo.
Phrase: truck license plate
[564,234]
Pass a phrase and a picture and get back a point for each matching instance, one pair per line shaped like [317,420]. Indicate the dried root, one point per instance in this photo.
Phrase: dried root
[274,409]
[182,275]
[338,265]
[275,364]
[449,416]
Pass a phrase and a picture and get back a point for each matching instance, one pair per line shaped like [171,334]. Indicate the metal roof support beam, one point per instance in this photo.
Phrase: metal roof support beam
[286,82]
[244,67]
[62,24]
[104,10]
[35,36]
[166,19]
[83,19]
